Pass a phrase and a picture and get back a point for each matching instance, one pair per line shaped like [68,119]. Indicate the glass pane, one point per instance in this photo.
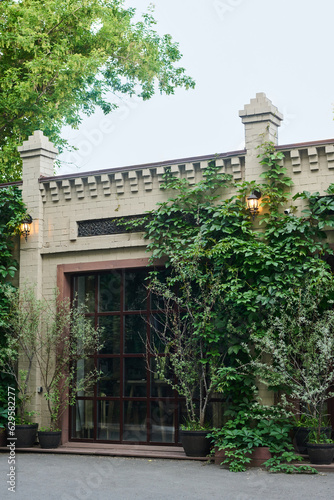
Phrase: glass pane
[162,422]
[111,334]
[84,368]
[109,292]
[84,287]
[135,292]
[109,384]
[135,377]
[157,325]
[135,334]
[108,420]
[82,420]
[135,421]
[160,388]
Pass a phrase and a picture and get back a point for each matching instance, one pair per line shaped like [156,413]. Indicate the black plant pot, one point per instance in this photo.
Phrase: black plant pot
[3,437]
[49,439]
[302,434]
[320,453]
[25,435]
[195,443]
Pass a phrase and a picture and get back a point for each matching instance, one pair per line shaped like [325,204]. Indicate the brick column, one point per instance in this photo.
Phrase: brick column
[38,155]
[261,119]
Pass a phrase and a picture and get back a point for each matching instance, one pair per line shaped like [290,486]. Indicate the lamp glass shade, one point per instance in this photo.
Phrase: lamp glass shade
[25,226]
[252,203]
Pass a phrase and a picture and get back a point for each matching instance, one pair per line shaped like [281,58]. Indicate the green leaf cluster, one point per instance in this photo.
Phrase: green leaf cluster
[61,59]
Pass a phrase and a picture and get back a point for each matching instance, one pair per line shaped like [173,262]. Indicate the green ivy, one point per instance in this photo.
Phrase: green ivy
[12,212]
[252,271]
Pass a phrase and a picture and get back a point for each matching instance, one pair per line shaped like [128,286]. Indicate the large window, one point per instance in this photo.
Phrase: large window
[129,403]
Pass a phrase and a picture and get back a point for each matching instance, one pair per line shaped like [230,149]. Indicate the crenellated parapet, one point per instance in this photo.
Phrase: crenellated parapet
[138,181]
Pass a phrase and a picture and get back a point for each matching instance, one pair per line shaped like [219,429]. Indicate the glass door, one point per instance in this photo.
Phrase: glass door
[129,404]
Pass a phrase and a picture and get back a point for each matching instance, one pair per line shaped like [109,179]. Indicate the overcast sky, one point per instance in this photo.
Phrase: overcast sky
[233,49]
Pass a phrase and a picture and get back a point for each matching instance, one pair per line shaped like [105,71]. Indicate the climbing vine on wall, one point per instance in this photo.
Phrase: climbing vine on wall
[12,212]
[208,240]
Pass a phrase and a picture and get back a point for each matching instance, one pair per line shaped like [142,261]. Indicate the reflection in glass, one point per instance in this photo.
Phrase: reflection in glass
[157,324]
[84,366]
[109,295]
[135,377]
[84,287]
[110,335]
[108,420]
[134,428]
[160,388]
[162,421]
[109,383]
[182,415]
[135,334]
[82,420]
[135,293]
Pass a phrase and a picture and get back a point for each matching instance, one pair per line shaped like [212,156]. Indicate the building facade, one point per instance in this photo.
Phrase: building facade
[75,244]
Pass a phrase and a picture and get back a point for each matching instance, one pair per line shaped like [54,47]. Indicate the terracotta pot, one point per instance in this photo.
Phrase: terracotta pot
[258,456]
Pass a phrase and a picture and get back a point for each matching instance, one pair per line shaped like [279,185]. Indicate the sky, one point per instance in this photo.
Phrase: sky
[233,49]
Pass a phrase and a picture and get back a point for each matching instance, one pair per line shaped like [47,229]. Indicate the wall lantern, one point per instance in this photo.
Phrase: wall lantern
[253,203]
[25,226]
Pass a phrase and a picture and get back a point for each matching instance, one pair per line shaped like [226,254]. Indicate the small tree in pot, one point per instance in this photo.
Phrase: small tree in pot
[20,326]
[66,340]
[53,338]
[300,341]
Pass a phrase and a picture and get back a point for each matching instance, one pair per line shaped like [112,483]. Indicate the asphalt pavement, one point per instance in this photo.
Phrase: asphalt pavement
[85,477]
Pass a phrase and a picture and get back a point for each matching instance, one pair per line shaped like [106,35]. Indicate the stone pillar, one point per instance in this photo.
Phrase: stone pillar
[261,119]
[38,155]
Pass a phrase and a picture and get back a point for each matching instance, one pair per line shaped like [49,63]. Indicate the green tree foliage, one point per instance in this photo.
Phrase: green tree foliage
[60,59]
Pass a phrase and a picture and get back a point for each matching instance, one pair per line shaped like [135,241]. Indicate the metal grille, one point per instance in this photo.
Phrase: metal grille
[117,225]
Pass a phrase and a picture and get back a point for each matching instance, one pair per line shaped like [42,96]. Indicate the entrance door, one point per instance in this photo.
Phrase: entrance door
[129,404]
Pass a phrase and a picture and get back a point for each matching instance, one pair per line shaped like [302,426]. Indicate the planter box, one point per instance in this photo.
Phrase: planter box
[258,456]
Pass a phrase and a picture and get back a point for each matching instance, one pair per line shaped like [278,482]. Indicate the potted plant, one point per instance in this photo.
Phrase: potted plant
[17,358]
[304,425]
[50,337]
[320,448]
[65,339]
[300,343]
